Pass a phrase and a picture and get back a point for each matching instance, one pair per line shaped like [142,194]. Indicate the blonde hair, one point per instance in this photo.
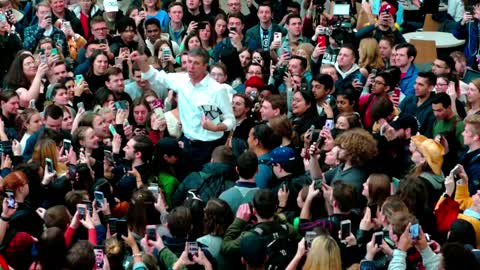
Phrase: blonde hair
[308,48]
[370,54]
[324,254]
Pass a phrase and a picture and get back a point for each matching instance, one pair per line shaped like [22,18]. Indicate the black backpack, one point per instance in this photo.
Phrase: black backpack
[280,249]
[212,186]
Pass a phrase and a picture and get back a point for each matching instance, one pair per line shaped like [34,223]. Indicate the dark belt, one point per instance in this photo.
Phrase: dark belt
[198,142]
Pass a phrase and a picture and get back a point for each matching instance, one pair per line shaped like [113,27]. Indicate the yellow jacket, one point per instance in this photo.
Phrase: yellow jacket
[462,197]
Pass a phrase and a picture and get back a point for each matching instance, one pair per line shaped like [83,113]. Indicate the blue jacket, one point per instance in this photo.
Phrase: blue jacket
[407,83]
[254,33]
[469,32]
[33,34]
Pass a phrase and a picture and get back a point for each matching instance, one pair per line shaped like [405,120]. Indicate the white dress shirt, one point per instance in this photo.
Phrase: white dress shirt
[207,97]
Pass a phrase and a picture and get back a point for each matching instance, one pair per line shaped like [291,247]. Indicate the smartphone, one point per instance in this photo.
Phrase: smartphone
[72,171]
[89,206]
[8,13]
[322,41]
[99,198]
[124,49]
[166,53]
[3,18]
[112,130]
[10,199]
[455,170]
[152,232]
[54,51]
[121,105]
[31,104]
[154,190]
[112,223]
[345,228]
[49,164]
[80,105]
[415,231]
[201,25]
[378,238]
[122,228]
[82,211]
[192,249]
[233,29]
[67,144]
[103,41]
[277,36]
[108,154]
[98,257]
[66,25]
[79,78]
[43,58]
[309,236]
[428,237]
[118,61]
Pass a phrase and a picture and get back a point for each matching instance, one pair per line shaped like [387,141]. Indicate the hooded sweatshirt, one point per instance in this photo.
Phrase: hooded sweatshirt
[346,78]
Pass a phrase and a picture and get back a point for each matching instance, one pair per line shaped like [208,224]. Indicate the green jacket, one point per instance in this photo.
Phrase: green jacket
[167,258]
[240,229]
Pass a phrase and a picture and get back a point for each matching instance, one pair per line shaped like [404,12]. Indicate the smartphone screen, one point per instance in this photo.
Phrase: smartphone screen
[378,238]
[192,249]
[309,236]
[414,231]
[322,41]
[151,232]
[82,211]
[72,171]
[98,258]
[67,144]
[112,223]
[122,228]
[373,210]
[79,78]
[345,227]
[99,198]
[10,199]
[49,164]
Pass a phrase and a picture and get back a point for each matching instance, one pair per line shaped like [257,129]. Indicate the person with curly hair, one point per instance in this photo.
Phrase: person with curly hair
[357,146]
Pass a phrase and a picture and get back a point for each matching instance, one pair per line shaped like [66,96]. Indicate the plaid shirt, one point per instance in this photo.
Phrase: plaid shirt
[33,34]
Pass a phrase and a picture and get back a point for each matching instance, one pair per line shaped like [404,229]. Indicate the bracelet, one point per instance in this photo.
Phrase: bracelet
[6,219]
[137,255]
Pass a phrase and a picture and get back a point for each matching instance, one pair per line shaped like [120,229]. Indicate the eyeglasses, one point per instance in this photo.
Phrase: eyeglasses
[101,29]
[441,84]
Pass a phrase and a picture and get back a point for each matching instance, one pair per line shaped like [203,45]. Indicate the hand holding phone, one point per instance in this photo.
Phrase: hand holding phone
[151,232]
[346,228]
[192,249]
[82,211]
[415,231]
[378,236]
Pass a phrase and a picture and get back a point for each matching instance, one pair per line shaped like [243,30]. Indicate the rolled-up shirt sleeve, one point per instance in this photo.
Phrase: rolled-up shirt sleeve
[225,106]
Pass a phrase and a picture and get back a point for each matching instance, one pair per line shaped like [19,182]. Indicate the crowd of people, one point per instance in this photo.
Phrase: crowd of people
[163,134]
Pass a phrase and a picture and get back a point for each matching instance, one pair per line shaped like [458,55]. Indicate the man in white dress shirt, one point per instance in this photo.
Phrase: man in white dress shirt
[205,109]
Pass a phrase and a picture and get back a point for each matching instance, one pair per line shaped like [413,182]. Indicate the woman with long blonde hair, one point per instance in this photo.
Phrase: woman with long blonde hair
[324,254]
[370,58]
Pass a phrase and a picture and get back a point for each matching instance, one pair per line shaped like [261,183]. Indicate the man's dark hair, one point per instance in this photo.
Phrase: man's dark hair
[382,107]
[455,254]
[201,52]
[126,22]
[222,154]
[265,203]
[248,101]
[153,21]
[303,61]
[411,50]
[247,165]
[80,256]
[236,15]
[292,16]
[266,136]
[53,111]
[431,78]
[293,4]
[448,61]
[57,216]
[325,80]
[265,4]
[144,145]
[442,98]
[278,102]
[344,194]
[179,222]
[387,77]
[6,95]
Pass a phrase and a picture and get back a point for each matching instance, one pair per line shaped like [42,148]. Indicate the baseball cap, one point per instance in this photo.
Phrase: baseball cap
[404,121]
[282,154]
[391,9]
